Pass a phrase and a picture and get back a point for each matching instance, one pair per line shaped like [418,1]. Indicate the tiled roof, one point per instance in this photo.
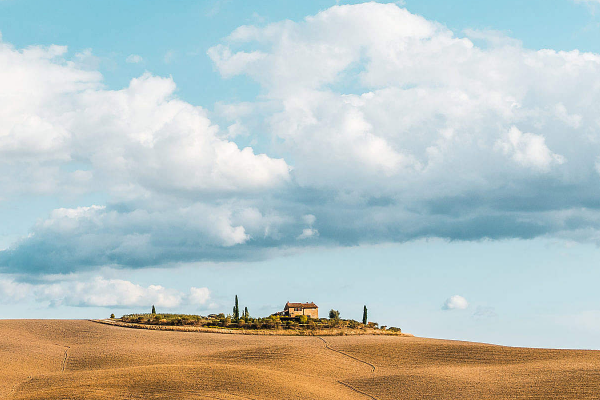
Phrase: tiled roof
[301,305]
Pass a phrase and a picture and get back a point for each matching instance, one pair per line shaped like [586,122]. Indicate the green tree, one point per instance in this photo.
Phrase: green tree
[153,309]
[246,313]
[365,315]
[236,310]
[334,314]
[112,316]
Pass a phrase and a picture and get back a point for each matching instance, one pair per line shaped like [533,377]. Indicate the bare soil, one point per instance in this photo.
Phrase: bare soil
[66,359]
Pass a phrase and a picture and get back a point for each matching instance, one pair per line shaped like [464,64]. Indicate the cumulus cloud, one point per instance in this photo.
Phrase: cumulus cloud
[173,181]
[455,302]
[528,150]
[394,118]
[392,128]
[101,292]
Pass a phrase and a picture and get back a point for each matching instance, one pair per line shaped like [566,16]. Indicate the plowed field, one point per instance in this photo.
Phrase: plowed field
[49,359]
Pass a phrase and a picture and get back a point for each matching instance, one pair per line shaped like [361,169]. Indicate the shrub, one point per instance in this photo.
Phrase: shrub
[112,316]
[353,324]
[334,314]
[303,319]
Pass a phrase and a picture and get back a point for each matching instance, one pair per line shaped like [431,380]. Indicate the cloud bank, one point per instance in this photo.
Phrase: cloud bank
[101,292]
[379,125]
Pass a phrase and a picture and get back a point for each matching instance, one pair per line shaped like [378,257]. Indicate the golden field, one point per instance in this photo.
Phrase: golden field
[73,359]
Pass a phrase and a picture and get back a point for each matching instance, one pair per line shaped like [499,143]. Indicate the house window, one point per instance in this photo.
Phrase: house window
[297,309]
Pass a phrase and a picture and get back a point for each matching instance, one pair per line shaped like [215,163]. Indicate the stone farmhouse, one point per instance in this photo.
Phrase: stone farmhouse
[295,309]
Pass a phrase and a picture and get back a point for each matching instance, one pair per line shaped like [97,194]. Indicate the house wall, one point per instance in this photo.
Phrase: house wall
[310,312]
[294,313]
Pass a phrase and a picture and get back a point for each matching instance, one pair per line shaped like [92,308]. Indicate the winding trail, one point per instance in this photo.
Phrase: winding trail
[357,390]
[347,355]
[349,386]
[64,364]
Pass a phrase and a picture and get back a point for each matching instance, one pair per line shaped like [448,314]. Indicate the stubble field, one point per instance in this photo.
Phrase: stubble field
[49,359]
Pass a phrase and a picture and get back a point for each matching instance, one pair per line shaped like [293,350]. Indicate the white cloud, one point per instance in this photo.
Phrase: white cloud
[429,107]
[54,113]
[140,145]
[308,233]
[134,59]
[199,296]
[11,291]
[528,150]
[455,302]
[393,128]
[101,292]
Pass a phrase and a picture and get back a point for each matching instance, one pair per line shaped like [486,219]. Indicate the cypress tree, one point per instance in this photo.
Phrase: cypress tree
[153,309]
[236,310]
[246,313]
[365,315]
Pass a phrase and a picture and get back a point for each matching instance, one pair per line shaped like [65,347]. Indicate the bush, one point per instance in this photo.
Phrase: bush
[334,314]
[353,324]
[303,319]
[112,316]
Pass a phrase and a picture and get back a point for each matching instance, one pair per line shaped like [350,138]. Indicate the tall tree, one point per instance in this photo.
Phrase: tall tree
[365,315]
[246,313]
[236,310]
[153,309]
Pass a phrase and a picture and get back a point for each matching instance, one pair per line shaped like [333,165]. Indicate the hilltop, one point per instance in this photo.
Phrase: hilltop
[272,325]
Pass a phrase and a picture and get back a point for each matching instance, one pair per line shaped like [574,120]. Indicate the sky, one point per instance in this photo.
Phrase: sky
[436,161]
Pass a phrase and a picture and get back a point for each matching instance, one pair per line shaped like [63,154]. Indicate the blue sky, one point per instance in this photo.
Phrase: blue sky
[437,161]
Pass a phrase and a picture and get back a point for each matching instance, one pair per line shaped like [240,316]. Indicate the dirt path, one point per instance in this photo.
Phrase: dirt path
[357,390]
[348,355]
[328,347]
[64,364]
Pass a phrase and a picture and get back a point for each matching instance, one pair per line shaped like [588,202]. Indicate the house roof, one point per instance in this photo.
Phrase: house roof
[300,305]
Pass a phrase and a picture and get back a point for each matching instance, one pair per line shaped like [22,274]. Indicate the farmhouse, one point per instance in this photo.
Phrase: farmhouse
[296,309]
